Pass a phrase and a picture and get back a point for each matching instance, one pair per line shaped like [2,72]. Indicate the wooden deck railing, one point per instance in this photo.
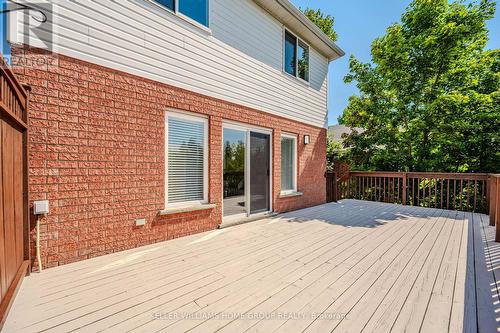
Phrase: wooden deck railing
[471,192]
[455,191]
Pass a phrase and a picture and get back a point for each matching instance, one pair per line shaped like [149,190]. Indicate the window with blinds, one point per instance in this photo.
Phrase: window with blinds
[288,164]
[186,159]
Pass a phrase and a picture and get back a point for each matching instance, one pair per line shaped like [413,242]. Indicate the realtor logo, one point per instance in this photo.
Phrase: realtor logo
[36,19]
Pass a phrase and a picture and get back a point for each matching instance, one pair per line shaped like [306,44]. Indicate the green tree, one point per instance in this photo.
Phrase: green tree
[430,98]
[324,22]
[334,151]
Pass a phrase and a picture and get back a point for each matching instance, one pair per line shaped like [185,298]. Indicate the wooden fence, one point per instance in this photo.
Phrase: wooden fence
[14,225]
[471,192]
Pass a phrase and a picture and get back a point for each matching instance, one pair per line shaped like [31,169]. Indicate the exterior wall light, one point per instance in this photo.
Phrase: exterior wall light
[307,139]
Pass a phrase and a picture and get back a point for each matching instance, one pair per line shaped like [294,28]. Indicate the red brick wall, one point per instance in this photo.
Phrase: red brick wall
[96,151]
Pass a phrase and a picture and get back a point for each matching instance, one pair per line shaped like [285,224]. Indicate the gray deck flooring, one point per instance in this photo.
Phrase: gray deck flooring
[352,266]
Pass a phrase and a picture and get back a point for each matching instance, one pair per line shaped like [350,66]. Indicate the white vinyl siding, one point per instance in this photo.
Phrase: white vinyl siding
[288,163]
[239,60]
[186,159]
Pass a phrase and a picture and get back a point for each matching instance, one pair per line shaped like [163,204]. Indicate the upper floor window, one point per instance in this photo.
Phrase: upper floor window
[296,56]
[194,9]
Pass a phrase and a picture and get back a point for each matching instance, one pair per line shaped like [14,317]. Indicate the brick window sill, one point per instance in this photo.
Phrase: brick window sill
[186,209]
[291,194]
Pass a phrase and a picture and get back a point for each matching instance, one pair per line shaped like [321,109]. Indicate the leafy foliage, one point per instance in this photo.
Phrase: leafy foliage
[324,22]
[429,101]
[333,150]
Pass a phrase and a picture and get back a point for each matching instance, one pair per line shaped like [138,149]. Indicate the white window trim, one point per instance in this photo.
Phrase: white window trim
[296,76]
[184,17]
[188,116]
[294,166]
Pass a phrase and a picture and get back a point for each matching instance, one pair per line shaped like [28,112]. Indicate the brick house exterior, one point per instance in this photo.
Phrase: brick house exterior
[96,152]
[151,119]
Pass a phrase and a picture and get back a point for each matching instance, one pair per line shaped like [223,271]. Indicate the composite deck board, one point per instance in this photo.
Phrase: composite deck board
[352,266]
[487,271]
[293,303]
[245,291]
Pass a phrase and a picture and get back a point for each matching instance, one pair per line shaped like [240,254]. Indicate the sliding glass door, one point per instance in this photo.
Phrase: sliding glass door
[234,201]
[246,171]
[259,172]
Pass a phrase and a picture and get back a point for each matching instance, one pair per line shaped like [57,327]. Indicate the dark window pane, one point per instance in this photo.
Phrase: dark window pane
[303,61]
[290,53]
[167,3]
[195,9]
[259,172]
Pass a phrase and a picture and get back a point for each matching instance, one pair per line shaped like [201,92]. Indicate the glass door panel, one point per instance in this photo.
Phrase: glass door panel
[259,172]
[234,200]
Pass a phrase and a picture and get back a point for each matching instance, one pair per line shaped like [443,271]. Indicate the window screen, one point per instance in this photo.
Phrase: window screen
[185,159]
[287,164]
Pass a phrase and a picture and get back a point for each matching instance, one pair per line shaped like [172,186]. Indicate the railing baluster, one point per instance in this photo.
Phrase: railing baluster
[467,195]
[461,193]
[418,191]
[454,205]
[359,187]
[474,208]
[391,189]
[435,192]
[448,194]
[398,192]
[430,189]
[484,195]
[413,191]
[441,181]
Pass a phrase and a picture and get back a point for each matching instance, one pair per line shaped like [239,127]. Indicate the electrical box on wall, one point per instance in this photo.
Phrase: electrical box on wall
[140,222]
[41,207]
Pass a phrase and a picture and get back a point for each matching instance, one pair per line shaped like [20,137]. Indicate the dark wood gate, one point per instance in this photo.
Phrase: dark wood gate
[14,223]
[331,186]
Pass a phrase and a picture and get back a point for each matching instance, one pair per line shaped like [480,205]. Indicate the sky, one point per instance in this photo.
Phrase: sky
[358,23]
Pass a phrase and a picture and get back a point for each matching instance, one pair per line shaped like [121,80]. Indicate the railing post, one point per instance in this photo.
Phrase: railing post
[492,200]
[405,176]
[496,204]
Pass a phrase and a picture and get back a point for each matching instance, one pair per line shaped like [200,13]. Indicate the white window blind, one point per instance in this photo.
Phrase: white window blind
[287,164]
[186,159]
